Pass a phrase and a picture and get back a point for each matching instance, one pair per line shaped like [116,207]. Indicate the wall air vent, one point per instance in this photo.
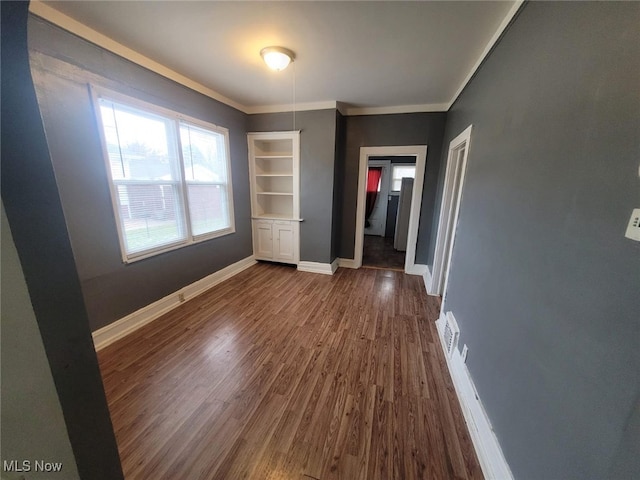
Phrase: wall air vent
[450,333]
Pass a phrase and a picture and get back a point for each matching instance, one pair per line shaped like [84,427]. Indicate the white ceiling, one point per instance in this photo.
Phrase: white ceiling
[412,55]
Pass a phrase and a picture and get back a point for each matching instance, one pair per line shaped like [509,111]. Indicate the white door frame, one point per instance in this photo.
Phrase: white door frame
[449,210]
[418,151]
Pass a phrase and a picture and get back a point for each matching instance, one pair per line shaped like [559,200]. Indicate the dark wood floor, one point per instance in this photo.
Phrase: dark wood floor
[282,374]
[378,252]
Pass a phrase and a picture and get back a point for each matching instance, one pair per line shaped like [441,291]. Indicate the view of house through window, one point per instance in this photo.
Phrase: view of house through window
[170,178]
[398,172]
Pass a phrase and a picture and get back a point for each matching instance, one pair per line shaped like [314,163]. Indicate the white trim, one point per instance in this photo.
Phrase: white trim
[428,280]
[487,49]
[449,211]
[123,327]
[346,263]
[425,107]
[67,23]
[342,108]
[415,269]
[288,107]
[485,442]
[334,265]
[317,267]
[420,152]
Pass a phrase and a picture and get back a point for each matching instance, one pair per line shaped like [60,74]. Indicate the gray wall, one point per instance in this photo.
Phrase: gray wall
[317,156]
[62,66]
[391,130]
[37,226]
[32,423]
[338,181]
[543,284]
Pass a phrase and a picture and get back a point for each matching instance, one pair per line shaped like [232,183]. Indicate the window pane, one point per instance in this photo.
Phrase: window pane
[400,172]
[208,207]
[150,216]
[140,145]
[155,195]
[205,169]
[204,154]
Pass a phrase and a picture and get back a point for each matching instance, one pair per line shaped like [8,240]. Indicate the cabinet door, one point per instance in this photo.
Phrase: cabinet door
[264,240]
[285,247]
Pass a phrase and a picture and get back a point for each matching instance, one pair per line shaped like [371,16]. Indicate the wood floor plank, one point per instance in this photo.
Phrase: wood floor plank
[278,374]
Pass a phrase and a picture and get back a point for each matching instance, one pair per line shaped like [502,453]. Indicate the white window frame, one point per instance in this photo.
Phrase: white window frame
[97,93]
[393,165]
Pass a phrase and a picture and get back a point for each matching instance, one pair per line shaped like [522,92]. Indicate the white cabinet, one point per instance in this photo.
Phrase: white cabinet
[263,238]
[274,171]
[285,241]
[276,240]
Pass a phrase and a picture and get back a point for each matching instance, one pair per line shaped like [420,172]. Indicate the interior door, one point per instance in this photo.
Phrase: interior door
[378,218]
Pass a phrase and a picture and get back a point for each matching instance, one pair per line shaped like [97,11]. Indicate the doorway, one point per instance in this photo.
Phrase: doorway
[449,210]
[388,202]
[419,152]
[376,204]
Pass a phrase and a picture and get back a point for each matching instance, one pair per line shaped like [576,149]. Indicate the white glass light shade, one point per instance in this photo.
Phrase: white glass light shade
[277,58]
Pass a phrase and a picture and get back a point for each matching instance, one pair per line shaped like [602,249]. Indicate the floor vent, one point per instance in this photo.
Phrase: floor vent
[450,333]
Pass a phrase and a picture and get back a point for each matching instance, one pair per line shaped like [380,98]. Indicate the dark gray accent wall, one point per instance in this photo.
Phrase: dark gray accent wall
[62,66]
[37,226]
[317,158]
[543,283]
[391,130]
[338,181]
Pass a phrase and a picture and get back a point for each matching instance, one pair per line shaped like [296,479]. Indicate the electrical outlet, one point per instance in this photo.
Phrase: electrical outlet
[465,350]
[633,229]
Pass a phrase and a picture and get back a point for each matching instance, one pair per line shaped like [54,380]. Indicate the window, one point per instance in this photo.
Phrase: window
[400,171]
[170,177]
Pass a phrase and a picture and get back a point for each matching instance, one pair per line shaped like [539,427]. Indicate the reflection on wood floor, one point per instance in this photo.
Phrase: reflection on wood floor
[378,252]
[280,374]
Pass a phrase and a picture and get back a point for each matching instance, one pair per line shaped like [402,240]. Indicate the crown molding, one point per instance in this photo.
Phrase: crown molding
[426,107]
[289,107]
[487,49]
[67,23]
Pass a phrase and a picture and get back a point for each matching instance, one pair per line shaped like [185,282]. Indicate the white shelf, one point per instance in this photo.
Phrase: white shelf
[274,193]
[273,157]
[274,175]
[276,216]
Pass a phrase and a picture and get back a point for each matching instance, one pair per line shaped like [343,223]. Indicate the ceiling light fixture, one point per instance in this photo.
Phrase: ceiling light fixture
[277,58]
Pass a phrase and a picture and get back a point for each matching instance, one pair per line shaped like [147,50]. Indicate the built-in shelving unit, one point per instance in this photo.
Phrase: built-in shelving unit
[274,168]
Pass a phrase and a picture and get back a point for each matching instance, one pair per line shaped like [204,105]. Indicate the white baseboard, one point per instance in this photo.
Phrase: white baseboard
[120,328]
[347,263]
[415,269]
[334,265]
[428,280]
[487,447]
[316,267]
